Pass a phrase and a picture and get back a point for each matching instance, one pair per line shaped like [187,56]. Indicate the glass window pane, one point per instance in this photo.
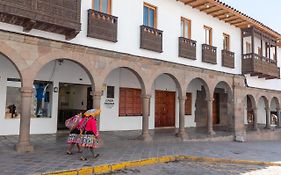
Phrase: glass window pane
[151,18]
[186,30]
[145,16]
[104,6]
[97,5]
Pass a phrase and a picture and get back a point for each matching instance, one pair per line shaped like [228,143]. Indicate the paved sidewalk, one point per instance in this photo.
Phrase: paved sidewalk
[49,154]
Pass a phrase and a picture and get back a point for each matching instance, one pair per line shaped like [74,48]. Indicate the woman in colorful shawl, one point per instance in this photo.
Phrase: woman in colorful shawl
[90,134]
[74,137]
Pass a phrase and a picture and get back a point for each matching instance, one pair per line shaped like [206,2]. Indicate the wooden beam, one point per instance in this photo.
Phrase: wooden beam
[214,11]
[219,14]
[236,22]
[205,8]
[187,2]
[227,17]
[199,5]
[28,25]
[232,19]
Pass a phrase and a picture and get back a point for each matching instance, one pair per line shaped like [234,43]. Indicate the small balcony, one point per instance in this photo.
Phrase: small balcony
[255,65]
[102,26]
[151,39]
[187,48]
[57,16]
[227,59]
[209,54]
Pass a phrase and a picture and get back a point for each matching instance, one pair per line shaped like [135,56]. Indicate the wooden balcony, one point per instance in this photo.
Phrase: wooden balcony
[209,54]
[151,39]
[227,59]
[255,65]
[102,26]
[187,48]
[57,16]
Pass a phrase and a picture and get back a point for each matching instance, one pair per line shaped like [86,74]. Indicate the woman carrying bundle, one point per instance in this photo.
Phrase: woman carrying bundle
[90,134]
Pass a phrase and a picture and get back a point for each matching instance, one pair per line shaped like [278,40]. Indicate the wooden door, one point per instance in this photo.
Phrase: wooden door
[216,109]
[164,109]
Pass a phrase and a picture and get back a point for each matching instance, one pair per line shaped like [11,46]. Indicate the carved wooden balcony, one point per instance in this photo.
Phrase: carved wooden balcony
[57,16]
[209,54]
[102,26]
[151,39]
[227,58]
[256,65]
[187,48]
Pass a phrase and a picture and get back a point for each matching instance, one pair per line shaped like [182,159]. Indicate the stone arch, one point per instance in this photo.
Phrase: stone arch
[204,83]
[250,117]
[276,101]
[13,56]
[173,76]
[30,74]
[265,99]
[225,105]
[138,73]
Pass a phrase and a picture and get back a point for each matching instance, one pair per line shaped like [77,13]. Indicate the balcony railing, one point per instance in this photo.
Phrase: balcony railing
[227,58]
[151,39]
[57,16]
[257,65]
[187,48]
[209,54]
[102,26]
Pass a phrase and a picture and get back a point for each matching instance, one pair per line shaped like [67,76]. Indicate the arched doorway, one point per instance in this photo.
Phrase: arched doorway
[166,89]
[122,100]
[223,107]
[250,114]
[10,105]
[274,110]
[62,88]
[263,112]
[199,92]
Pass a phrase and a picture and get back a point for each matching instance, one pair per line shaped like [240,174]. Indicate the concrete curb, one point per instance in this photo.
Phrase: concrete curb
[107,168]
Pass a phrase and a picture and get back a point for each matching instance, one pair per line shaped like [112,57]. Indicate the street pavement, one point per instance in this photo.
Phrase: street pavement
[200,168]
[49,154]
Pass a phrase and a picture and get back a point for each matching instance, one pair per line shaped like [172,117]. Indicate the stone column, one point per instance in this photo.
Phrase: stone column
[255,119]
[279,119]
[145,120]
[96,103]
[267,125]
[24,144]
[210,117]
[181,132]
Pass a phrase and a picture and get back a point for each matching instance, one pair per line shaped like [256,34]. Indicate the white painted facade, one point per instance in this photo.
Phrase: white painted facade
[169,13]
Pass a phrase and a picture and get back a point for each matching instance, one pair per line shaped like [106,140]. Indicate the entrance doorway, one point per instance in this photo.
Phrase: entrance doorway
[216,109]
[73,98]
[164,108]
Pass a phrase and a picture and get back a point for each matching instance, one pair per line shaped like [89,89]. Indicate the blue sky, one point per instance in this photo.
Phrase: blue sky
[266,11]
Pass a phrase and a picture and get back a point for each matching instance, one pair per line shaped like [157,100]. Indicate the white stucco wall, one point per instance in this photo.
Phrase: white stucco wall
[169,14]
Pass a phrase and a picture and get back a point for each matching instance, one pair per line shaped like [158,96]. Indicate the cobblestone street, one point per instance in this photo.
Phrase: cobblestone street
[200,168]
[50,152]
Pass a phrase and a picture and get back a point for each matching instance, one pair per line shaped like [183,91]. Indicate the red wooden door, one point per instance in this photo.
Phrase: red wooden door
[164,109]
[216,109]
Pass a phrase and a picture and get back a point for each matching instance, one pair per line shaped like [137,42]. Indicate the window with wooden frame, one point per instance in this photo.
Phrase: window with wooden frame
[226,42]
[185,28]
[208,35]
[248,47]
[130,103]
[103,6]
[188,104]
[149,15]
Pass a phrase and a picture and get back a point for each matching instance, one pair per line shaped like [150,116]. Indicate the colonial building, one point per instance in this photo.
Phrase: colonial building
[146,63]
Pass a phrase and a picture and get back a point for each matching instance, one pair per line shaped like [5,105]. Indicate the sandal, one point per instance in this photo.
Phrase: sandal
[83,158]
[68,153]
